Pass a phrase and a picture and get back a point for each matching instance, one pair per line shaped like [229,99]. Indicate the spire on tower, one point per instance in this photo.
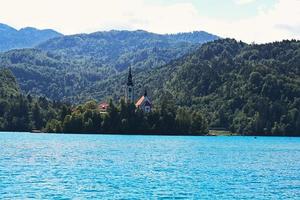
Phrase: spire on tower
[129,93]
[129,81]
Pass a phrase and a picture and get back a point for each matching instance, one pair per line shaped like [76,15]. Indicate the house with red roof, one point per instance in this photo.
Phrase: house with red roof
[144,103]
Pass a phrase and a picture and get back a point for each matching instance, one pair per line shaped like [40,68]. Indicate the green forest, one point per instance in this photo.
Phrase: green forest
[20,112]
[248,89]
[125,118]
[27,113]
[69,68]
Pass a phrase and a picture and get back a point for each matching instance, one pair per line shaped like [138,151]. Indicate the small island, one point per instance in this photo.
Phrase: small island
[130,117]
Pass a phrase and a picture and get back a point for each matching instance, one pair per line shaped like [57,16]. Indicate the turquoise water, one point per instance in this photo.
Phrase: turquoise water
[42,166]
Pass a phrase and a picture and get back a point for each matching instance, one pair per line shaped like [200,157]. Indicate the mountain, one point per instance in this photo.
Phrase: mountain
[121,49]
[193,37]
[45,74]
[11,38]
[62,68]
[249,89]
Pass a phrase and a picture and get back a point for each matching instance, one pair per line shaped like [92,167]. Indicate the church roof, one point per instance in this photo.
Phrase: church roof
[142,100]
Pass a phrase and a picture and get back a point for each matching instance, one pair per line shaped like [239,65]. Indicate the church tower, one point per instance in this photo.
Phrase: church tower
[129,93]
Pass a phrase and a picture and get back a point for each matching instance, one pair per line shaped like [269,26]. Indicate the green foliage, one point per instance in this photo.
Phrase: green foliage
[249,89]
[23,113]
[125,118]
[198,123]
[8,85]
[89,66]
[121,49]
[53,126]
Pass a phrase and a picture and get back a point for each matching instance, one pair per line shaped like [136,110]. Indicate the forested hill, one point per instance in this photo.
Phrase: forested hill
[28,37]
[23,112]
[249,89]
[120,49]
[8,85]
[63,68]
[193,37]
[245,88]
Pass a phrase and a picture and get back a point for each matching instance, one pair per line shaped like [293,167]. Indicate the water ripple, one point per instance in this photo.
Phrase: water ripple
[36,166]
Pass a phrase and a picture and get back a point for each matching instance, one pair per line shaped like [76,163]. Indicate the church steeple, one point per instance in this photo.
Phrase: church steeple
[129,80]
[129,93]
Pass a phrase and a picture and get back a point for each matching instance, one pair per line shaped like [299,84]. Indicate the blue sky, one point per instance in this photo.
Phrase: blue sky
[257,21]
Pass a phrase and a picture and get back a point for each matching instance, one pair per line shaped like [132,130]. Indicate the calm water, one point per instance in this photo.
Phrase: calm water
[148,167]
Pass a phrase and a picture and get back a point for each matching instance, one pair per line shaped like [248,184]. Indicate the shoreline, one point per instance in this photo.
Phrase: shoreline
[153,134]
[141,133]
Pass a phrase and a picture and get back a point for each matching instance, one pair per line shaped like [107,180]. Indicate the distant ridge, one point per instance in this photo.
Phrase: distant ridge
[62,68]
[123,48]
[194,37]
[11,38]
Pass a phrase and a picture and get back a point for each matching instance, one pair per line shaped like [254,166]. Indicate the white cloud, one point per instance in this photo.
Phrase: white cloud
[277,23]
[75,16]
[243,2]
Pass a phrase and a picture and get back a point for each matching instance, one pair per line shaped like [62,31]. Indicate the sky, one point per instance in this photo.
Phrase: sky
[258,21]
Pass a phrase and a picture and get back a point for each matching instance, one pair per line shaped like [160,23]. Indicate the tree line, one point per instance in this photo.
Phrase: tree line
[20,112]
[126,118]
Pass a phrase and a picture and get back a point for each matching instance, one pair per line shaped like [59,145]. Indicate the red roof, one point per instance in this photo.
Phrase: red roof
[141,100]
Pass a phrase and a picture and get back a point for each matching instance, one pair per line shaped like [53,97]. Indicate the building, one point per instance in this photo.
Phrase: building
[103,107]
[144,103]
[129,91]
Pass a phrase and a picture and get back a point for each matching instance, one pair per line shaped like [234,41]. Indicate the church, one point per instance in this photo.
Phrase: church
[144,102]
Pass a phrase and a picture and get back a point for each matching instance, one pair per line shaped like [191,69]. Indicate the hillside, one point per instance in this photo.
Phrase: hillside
[28,37]
[120,49]
[8,85]
[245,88]
[249,89]
[63,68]
[24,113]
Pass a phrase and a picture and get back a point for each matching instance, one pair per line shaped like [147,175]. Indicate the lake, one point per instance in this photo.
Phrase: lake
[46,166]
